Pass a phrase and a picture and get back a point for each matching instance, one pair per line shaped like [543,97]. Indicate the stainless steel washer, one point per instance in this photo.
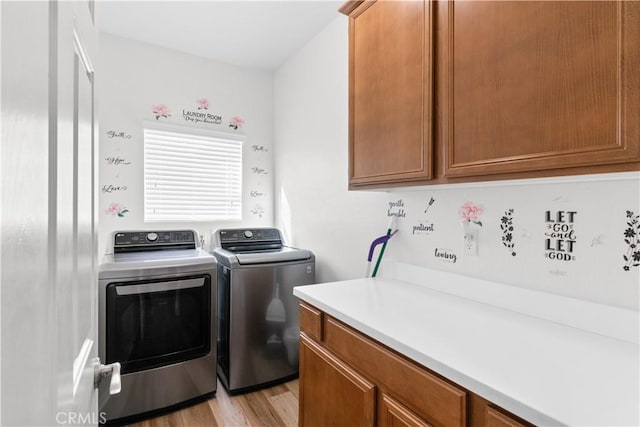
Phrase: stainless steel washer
[258,320]
[157,313]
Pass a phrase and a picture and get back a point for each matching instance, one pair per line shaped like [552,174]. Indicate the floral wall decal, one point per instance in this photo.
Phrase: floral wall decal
[236,122]
[471,212]
[203,104]
[161,110]
[116,209]
[632,239]
[257,210]
[506,225]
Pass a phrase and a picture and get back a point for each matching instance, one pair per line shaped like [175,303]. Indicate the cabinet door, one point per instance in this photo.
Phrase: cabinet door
[539,85]
[311,321]
[496,418]
[394,414]
[331,393]
[390,92]
[431,397]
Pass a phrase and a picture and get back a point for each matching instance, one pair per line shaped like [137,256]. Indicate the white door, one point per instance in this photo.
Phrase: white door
[49,252]
[76,247]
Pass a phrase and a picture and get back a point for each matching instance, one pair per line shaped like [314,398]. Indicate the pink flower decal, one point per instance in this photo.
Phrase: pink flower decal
[160,110]
[236,122]
[471,212]
[203,104]
[115,209]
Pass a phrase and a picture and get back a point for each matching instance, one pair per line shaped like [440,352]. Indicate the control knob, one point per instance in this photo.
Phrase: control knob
[248,234]
[152,237]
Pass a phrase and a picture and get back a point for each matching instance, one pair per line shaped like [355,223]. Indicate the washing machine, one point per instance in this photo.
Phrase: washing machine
[258,316]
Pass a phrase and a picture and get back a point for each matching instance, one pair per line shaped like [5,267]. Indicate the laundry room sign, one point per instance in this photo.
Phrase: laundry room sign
[201,114]
[201,117]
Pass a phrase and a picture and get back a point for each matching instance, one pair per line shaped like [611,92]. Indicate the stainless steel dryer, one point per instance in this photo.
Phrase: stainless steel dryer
[258,320]
[157,313]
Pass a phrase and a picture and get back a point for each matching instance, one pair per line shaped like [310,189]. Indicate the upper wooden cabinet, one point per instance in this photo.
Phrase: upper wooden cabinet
[390,91]
[539,85]
[443,92]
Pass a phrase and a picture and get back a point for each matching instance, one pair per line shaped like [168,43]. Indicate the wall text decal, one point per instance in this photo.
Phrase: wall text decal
[424,227]
[259,171]
[117,134]
[396,209]
[109,188]
[445,255]
[116,161]
[560,235]
[255,193]
[259,148]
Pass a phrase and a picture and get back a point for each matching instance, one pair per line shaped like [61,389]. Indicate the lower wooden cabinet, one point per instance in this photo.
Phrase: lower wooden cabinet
[331,393]
[495,418]
[435,400]
[395,414]
[349,379]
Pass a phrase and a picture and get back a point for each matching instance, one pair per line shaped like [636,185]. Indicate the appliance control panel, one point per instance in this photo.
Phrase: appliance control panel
[249,235]
[138,239]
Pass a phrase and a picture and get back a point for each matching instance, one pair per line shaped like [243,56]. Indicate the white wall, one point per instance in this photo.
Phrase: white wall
[135,76]
[317,212]
[314,208]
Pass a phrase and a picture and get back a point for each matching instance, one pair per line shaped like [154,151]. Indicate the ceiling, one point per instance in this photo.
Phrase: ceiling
[253,34]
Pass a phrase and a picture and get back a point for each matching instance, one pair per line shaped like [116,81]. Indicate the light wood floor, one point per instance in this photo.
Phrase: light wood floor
[272,407]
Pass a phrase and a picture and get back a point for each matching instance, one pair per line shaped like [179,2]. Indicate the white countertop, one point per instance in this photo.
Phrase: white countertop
[543,371]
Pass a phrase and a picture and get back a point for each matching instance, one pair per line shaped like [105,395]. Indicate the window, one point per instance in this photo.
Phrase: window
[191,174]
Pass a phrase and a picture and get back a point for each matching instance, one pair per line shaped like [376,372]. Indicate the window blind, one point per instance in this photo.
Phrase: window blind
[191,176]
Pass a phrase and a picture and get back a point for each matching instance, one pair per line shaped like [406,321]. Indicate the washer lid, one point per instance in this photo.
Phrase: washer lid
[136,263]
[266,257]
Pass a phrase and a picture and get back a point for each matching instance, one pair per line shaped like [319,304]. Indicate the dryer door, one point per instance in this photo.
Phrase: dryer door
[156,323]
